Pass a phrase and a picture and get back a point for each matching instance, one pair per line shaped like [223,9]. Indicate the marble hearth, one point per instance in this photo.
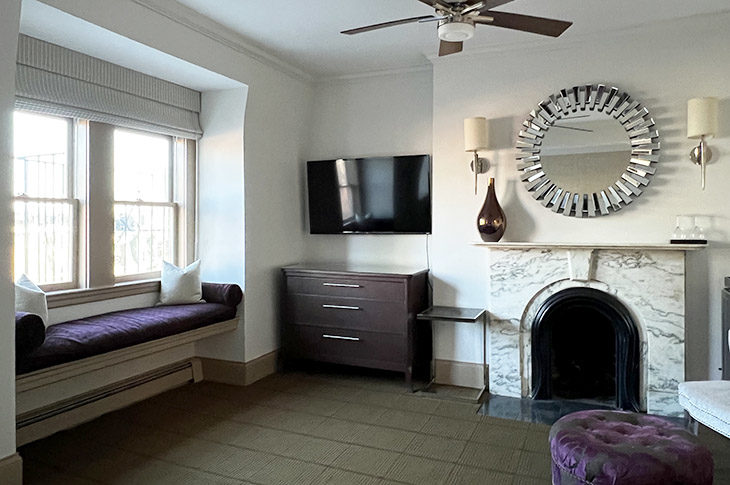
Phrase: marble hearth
[648,280]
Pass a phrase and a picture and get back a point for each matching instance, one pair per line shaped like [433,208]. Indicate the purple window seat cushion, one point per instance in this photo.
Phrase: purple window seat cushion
[77,339]
[30,332]
[617,447]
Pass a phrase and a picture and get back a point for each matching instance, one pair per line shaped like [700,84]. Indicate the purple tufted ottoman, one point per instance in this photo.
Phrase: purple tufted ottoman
[617,447]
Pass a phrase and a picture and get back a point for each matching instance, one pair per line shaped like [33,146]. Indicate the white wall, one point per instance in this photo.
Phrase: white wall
[9,23]
[276,117]
[379,115]
[220,229]
[661,65]
[277,110]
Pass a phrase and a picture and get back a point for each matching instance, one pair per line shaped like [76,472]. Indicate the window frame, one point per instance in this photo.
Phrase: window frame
[71,199]
[172,170]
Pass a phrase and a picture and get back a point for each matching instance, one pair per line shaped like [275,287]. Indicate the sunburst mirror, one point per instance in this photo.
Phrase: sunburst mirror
[587,150]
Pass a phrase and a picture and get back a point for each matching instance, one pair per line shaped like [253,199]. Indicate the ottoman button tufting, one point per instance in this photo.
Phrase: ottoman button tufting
[618,447]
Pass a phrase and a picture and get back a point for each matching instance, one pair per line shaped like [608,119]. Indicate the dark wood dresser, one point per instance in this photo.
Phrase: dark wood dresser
[357,315]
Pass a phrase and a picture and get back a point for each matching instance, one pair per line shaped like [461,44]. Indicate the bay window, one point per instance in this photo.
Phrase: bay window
[72,176]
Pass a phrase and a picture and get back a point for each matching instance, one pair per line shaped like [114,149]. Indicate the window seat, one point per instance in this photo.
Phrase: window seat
[99,334]
[89,366]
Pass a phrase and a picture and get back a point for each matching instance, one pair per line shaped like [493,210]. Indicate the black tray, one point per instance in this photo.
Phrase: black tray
[688,241]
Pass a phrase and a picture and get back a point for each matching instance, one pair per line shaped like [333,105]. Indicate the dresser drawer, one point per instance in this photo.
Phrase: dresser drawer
[347,346]
[347,287]
[351,313]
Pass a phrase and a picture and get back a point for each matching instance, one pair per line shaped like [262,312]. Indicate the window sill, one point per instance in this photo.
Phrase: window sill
[58,299]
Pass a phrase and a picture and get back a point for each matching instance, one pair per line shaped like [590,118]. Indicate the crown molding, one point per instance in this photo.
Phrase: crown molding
[201,24]
[372,74]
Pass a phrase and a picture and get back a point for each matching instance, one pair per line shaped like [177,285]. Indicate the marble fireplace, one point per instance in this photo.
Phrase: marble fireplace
[646,282]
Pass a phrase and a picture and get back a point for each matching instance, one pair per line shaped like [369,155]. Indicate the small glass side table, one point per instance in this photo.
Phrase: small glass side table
[458,314]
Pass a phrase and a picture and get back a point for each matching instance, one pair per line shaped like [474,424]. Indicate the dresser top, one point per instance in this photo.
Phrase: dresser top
[381,269]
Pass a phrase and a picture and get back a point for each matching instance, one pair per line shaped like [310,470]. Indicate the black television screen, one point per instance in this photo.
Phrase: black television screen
[370,195]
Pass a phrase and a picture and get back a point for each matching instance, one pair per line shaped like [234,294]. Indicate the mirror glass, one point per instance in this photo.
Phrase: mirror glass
[586,151]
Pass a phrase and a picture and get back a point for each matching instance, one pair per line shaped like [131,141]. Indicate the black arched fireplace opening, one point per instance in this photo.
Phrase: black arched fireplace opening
[585,346]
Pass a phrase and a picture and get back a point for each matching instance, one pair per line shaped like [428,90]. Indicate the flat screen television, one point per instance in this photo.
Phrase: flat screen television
[383,195]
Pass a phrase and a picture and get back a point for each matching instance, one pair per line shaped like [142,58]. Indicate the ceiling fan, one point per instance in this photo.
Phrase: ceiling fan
[457,20]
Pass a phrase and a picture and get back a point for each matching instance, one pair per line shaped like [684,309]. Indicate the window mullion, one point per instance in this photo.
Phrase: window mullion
[186,197]
[80,193]
[100,206]
[70,156]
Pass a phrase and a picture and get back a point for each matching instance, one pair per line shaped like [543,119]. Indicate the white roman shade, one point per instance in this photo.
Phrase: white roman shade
[56,80]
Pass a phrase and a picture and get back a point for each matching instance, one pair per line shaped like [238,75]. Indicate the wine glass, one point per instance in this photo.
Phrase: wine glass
[698,229]
[683,227]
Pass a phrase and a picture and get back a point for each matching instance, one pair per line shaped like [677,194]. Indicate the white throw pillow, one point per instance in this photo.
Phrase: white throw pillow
[180,285]
[30,299]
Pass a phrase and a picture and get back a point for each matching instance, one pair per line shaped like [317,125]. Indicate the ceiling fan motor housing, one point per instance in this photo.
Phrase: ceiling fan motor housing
[456,31]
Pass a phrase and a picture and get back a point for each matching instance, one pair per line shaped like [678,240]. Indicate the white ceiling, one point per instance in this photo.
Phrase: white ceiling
[305,33]
[52,25]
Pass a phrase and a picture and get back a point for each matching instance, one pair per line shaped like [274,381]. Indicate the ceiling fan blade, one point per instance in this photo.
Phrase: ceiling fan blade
[446,48]
[383,25]
[525,23]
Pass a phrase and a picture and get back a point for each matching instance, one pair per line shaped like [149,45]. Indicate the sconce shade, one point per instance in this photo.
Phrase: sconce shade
[701,117]
[476,136]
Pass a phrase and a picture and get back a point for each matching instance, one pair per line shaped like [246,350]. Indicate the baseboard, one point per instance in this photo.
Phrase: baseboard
[224,371]
[11,470]
[449,372]
[462,374]
[261,367]
[239,373]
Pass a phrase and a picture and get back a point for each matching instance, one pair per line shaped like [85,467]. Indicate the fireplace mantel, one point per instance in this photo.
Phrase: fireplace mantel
[626,246]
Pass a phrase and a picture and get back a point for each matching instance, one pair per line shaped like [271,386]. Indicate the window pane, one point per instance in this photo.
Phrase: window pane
[141,166]
[41,155]
[44,241]
[143,237]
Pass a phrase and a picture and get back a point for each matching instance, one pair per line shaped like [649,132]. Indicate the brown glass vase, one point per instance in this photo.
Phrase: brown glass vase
[491,221]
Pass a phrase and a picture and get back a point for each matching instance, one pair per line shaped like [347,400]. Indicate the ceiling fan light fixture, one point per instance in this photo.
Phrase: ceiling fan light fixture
[456,31]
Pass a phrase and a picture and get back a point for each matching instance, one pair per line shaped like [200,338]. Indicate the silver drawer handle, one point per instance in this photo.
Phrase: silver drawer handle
[342,307]
[340,337]
[340,285]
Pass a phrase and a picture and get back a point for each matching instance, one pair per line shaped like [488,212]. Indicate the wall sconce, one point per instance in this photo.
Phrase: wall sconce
[476,137]
[701,123]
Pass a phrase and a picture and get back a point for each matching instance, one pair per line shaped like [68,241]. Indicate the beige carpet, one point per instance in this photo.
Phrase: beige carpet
[297,429]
